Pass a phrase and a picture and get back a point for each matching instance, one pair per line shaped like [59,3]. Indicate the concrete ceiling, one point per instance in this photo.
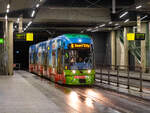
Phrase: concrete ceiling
[16,4]
[69,14]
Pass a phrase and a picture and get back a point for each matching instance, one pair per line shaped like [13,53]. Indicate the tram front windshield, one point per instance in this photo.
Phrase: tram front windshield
[79,58]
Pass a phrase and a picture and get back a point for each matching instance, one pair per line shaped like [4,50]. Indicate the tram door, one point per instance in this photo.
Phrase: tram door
[59,61]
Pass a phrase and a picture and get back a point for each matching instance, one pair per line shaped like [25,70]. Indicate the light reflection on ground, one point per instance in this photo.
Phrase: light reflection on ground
[74,100]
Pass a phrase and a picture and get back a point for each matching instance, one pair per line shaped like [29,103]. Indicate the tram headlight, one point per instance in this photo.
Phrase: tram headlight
[89,71]
[73,71]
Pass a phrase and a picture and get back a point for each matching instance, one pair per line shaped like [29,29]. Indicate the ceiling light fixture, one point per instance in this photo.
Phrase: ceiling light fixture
[102,25]
[37,5]
[8,6]
[7,10]
[117,27]
[89,29]
[94,30]
[125,13]
[144,17]
[29,23]
[6,17]
[116,24]
[138,7]
[127,20]
[110,22]
[33,13]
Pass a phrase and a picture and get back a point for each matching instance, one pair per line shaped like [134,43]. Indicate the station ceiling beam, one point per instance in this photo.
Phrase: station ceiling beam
[73,14]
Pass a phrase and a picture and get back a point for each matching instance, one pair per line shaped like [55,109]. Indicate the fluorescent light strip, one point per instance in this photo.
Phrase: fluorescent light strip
[127,20]
[6,17]
[117,27]
[7,10]
[94,30]
[89,29]
[33,13]
[8,6]
[110,23]
[29,23]
[96,27]
[125,13]
[138,7]
[102,25]
[37,5]
[144,17]
[116,24]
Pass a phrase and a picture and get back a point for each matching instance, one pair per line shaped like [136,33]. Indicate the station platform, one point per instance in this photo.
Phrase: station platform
[28,93]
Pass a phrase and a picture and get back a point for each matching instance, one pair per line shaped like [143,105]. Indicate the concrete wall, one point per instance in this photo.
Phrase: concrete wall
[102,47]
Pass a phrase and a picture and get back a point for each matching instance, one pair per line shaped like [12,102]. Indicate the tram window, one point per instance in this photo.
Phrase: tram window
[30,61]
[78,56]
[53,58]
[34,57]
[45,59]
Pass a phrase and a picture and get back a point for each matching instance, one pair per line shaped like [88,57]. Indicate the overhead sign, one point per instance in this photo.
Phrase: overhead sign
[29,36]
[1,40]
[24,37]
[139,36]
[20,36]
[135,36]
[130,36]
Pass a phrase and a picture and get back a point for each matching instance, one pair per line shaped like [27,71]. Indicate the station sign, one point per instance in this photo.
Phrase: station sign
[1,41]
[24,37]
[29,36]
[135,36]
[20,36]
[139,36]
[130,36]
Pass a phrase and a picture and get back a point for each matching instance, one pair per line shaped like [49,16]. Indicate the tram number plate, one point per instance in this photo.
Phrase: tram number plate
[82,80]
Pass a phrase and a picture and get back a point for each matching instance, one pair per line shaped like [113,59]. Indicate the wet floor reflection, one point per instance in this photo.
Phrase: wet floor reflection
[89,102]
[74,100]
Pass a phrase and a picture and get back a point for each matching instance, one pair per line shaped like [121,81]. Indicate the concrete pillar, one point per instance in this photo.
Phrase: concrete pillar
[5,57]
[138,24]
[113,48]
[125,46]
[141,28]
[10,48]
[20,24]
[143,48]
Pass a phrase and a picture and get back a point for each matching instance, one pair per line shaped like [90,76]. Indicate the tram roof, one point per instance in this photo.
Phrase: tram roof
[76,36]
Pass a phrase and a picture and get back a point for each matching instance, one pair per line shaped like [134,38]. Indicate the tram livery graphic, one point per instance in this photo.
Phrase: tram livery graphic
[66,59]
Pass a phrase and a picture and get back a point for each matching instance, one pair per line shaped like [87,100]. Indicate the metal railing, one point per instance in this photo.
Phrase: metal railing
[120,75]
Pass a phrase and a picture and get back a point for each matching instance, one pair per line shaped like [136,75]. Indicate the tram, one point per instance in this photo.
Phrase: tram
[66,59]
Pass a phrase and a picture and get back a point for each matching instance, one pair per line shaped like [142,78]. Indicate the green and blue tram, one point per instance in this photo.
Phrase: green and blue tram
[66,59]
